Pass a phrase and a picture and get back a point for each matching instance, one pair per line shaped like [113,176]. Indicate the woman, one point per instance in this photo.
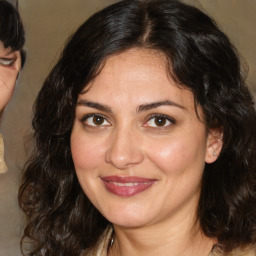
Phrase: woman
[144,140]
[12,58]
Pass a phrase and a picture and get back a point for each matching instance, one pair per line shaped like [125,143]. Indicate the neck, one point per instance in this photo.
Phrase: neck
[182,238]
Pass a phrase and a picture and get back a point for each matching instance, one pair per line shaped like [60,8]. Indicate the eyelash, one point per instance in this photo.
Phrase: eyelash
[84,120]
[7,62]
[164,118]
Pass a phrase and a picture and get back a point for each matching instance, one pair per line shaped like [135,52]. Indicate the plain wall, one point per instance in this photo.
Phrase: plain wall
[48,23]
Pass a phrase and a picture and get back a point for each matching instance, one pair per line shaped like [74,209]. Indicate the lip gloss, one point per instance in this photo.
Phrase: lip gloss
[127,186]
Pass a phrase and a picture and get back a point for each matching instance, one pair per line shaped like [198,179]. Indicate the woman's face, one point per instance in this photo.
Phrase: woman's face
[137,144]
[10,64]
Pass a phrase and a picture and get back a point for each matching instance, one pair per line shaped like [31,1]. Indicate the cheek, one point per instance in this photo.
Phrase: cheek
[87,158]
[86,154]
[7,83]
[168,156]
[178,155]
[8,76]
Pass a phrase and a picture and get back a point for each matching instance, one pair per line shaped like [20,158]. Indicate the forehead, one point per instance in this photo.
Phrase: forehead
[139,73]
[136,60]
[131,69]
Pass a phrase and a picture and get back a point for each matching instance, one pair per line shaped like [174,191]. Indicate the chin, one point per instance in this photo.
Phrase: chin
[128,219]
[129,223]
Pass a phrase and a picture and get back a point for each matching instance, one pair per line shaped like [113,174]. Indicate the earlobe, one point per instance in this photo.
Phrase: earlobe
[214,145]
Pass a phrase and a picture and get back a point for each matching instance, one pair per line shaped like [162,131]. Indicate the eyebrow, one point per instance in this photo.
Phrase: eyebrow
[11,51]
[153,105]
[141,108]
[95,105]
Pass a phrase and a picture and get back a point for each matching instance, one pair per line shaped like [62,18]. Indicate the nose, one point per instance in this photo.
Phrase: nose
[124,149]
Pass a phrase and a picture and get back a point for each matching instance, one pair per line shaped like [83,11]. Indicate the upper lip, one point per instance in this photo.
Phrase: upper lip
[127,179]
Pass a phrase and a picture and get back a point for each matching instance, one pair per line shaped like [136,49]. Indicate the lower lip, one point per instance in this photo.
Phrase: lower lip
[127,189]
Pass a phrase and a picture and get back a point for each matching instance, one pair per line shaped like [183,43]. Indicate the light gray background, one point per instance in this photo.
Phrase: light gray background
[48,23]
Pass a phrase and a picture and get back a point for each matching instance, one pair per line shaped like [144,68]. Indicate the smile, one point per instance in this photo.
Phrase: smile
[127,186]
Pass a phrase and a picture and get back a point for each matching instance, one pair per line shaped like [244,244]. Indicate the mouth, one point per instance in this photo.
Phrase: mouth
[127,186]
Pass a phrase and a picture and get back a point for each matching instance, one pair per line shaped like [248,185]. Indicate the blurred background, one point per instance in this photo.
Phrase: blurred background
[48,24]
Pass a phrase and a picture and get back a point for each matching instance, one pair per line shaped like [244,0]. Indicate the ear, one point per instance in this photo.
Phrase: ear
[214,145]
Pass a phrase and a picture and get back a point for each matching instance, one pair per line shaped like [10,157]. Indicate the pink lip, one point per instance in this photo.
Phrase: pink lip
[127,186]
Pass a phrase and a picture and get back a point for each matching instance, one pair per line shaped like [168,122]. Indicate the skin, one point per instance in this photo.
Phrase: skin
[10,65]
[128,141]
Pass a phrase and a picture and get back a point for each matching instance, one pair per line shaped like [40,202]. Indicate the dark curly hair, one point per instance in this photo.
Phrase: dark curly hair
[11,29]
[61,219]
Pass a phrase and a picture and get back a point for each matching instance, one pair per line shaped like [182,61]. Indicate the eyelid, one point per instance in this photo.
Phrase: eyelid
[170,119]
[87,116]
[7,61]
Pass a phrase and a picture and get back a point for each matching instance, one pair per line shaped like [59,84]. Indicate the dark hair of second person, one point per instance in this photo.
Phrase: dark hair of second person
[11,29]
[12,58]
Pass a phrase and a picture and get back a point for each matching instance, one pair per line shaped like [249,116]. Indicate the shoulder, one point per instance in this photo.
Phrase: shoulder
[101,247]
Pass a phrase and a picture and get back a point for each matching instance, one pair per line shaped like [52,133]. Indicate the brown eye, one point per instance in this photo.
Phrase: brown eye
[98,120]
[160,121]
[95,120]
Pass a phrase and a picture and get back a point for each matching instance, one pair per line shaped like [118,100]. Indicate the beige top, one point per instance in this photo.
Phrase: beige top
[102,248]
[3,167]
